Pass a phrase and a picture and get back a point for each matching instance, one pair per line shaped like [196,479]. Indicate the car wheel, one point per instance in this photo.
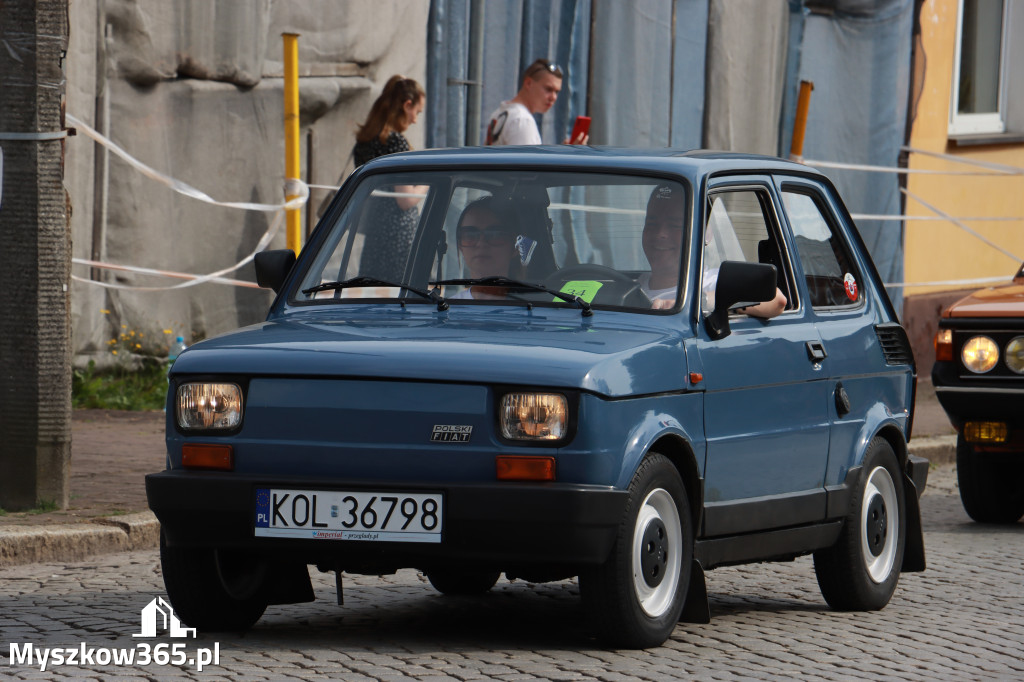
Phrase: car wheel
[991,488]
[213,590]
[461,582]
[635,597]
[859,572]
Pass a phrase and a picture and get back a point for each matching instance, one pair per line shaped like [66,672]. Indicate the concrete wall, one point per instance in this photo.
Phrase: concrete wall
[195,90]
[940,251]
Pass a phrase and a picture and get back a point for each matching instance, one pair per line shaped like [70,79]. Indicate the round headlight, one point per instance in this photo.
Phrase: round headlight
[980,354]
[1015,354]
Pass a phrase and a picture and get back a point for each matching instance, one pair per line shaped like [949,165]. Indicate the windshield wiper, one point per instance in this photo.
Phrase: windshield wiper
[516,284]
[363,281]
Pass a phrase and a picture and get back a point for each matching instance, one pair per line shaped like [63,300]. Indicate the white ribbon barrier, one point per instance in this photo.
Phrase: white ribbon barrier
[948,282]
[293,187]
[193,280]
[961,225]
[896,169]
[998,168]
[151,271]
[300,191]
[990,169]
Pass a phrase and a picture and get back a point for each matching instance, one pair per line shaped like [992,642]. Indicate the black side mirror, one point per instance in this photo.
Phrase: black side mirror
[272,268]
[740,284]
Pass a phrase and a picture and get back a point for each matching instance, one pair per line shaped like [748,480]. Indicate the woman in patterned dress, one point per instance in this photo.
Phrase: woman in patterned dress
[389,237]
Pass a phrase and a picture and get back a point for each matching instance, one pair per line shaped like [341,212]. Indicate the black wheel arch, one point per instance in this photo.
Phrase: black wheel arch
[680,453]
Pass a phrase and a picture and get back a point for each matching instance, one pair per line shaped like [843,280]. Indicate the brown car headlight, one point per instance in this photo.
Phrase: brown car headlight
[203,406]
[534,416]
[1015,354]
[980,354]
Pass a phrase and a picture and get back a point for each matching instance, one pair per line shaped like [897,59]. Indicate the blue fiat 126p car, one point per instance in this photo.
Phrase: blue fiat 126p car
[630,367]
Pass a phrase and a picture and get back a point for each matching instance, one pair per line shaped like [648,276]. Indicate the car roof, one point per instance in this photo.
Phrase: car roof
[693,163]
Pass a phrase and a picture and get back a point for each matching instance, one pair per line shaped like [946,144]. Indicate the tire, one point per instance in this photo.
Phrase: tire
[635,597]
[462,582]
[212,590]
[860,572]
[991,486]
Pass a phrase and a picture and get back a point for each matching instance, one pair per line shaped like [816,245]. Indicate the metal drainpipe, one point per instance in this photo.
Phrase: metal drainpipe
[474,84]
[101,162]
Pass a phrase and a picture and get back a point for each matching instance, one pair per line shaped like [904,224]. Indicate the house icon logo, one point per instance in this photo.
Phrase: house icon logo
[159,614]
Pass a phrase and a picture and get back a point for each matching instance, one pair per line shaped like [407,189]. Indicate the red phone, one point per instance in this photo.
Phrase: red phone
[580,128]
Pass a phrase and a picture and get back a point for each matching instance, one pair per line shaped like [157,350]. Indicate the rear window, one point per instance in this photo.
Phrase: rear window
[832,279]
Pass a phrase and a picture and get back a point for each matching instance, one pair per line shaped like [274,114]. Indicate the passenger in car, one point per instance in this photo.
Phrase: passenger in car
[486,238]
[663,242]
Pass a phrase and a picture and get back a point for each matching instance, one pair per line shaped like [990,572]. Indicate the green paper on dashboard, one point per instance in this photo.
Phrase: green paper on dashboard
[585,289]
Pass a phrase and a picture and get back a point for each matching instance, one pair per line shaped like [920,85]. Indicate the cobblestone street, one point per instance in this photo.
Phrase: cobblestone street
[961,619]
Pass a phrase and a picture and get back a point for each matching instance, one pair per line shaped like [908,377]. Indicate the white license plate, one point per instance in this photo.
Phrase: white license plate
[336,515]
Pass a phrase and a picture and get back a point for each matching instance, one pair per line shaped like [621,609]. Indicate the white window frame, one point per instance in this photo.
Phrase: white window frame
[971,124]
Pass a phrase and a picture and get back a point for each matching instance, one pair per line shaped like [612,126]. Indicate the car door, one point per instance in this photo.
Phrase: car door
[766,421]
[863,375]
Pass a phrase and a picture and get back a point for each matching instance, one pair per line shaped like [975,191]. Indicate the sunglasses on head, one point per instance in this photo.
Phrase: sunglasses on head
[470,235]
[544,65]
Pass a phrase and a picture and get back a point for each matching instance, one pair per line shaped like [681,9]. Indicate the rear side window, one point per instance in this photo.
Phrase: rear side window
[832,280]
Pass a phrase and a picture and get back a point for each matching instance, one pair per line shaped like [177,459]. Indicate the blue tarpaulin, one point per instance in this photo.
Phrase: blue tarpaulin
[641,71]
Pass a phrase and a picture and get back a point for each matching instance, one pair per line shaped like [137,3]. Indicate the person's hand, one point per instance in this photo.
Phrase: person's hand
[582,138]
[662,303]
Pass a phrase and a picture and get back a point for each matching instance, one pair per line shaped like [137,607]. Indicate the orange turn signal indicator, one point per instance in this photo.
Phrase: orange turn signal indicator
[207,456]
[525,468]
[944,345]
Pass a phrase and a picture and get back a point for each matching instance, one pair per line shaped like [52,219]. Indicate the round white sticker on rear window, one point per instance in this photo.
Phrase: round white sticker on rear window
[850,284]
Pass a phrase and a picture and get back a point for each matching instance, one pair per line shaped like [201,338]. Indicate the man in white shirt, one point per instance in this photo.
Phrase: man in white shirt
[513,122]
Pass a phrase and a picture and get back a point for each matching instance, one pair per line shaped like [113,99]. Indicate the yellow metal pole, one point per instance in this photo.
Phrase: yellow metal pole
[293,232]
[796,149]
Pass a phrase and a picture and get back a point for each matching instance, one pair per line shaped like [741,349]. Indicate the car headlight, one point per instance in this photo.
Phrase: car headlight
[980,354]
[205,406]
[1015,354]
[534,416]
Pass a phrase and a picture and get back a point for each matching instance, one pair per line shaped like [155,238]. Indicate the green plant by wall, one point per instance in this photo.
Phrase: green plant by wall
[137,379]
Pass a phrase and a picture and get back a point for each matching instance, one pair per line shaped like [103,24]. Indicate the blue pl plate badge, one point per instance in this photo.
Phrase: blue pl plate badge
[262,508]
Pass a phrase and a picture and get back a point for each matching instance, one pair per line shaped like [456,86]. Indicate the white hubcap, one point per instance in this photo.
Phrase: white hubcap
[657,553]
[879,524]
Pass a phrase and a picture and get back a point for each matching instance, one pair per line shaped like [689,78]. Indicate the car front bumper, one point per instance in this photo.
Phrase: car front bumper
[978,399]
[496,524]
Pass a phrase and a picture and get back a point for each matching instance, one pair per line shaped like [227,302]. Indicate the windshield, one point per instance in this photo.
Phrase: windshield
[614,241]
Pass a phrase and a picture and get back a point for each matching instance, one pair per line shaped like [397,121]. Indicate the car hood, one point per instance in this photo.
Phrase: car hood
[1002,301]
[613,354]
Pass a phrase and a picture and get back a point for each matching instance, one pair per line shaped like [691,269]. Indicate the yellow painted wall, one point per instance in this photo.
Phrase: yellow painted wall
[940,251]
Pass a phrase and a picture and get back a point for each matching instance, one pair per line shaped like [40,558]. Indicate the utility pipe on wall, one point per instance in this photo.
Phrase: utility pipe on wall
[293,224]
[475,74]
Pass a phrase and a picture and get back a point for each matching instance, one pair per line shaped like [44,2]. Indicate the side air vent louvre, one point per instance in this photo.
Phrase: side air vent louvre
[895,344]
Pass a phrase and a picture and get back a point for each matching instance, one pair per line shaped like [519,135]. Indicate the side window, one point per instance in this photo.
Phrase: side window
[832,279]
[738,229]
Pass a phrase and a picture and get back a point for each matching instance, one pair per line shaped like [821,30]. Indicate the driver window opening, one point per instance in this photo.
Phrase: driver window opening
[739,229]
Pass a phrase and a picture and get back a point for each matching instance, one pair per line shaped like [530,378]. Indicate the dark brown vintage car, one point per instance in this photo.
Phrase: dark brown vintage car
[979,379]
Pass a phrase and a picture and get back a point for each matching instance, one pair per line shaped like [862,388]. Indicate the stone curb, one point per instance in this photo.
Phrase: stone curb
[936,449]
[74,542]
